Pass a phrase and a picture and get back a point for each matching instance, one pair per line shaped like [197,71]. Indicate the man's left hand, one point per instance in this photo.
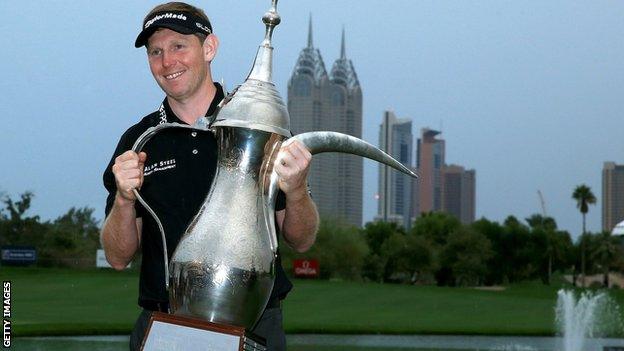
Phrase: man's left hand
[292,165]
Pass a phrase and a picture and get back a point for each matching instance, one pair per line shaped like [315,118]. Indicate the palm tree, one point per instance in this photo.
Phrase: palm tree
[606,251]
[584,197]
[546,226]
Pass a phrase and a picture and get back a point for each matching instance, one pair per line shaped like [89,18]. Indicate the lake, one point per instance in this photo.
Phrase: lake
[317,342]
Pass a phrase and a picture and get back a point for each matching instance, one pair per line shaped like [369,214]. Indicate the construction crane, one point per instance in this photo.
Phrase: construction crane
[541,197]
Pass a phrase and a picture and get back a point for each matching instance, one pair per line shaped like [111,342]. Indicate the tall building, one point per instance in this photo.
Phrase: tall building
[459,193]
[440,187]
[318,101]
[395,188]
[612,195]
[430,159]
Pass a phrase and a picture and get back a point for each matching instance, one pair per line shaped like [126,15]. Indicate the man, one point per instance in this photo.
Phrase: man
[176,169]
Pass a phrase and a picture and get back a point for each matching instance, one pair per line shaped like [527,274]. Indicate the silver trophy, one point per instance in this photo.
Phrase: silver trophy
[223,269]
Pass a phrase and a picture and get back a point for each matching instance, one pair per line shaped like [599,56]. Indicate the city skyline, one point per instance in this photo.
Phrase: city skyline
[441,187]
[529,92]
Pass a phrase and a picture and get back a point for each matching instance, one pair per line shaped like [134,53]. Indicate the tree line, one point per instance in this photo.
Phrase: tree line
[438,249]
[70,240]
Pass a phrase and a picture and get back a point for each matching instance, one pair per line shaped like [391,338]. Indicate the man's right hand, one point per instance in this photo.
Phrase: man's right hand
[128,171]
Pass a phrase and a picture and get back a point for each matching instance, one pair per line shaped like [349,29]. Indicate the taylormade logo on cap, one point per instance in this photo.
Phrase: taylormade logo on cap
[183,22]
[202,27]
[165,15]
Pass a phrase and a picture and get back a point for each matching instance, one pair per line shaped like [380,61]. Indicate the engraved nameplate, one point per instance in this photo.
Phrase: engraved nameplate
[171,333]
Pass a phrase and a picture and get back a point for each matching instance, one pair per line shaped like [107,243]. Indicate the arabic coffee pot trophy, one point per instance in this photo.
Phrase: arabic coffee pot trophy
[223,268]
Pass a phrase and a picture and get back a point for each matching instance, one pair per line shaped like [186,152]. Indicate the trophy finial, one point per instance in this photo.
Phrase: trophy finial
[262,67]
[270,19]
[256,103]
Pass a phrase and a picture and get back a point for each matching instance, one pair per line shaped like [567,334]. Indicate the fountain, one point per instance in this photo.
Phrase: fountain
[588,316]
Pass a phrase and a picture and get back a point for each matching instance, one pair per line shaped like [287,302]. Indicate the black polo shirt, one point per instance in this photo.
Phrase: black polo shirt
[178,172]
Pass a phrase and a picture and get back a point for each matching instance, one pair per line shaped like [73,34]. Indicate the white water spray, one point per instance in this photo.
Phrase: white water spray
[576,318]
[588,316]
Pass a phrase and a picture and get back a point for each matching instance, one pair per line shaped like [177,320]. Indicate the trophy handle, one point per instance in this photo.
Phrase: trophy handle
[202,124]
[270,196]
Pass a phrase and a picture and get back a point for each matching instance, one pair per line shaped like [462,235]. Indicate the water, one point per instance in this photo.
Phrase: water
[581,319]
[311,342]
[585,316]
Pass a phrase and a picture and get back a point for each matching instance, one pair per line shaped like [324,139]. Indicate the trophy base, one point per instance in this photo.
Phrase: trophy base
[167,332]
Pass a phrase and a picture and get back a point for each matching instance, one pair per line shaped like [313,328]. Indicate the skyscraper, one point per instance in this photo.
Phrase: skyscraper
[459,193]
[612,195]
[395,189]
[318,101]
[430,159]
[439,188]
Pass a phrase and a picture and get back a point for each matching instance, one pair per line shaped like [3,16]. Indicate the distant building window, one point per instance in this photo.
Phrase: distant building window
[404,157]
[302,87]
[437,161]
[437,199]
[316,115]
[350,122]
[338,96]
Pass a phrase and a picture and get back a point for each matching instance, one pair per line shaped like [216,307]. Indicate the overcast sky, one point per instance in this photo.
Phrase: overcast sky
[528,93]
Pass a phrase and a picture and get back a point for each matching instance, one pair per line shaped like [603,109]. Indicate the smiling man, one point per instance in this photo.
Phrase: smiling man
[176,168]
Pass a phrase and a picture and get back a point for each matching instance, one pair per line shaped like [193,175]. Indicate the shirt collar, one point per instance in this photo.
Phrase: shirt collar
[166,113]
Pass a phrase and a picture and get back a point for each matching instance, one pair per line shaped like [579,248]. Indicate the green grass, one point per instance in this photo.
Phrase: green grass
[73,345]
[342,348]
[398,309]
[72,302]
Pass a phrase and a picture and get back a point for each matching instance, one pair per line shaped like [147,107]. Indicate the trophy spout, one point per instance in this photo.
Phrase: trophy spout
[318,142]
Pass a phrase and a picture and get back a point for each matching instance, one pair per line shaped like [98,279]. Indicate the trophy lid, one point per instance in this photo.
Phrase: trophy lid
[256,103]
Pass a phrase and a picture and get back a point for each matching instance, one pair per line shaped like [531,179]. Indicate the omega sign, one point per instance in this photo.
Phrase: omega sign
[306,268]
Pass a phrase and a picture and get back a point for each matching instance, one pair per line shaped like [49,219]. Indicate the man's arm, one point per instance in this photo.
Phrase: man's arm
[121,234]
[299,223]
[299,220]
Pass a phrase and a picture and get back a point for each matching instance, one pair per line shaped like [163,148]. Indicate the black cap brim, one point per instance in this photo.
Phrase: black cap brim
[144,36]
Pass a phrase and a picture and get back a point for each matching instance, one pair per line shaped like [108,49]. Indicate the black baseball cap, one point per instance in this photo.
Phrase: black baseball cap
[182,22]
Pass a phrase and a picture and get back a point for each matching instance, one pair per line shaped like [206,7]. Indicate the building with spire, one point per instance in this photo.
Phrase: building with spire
[333,102]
